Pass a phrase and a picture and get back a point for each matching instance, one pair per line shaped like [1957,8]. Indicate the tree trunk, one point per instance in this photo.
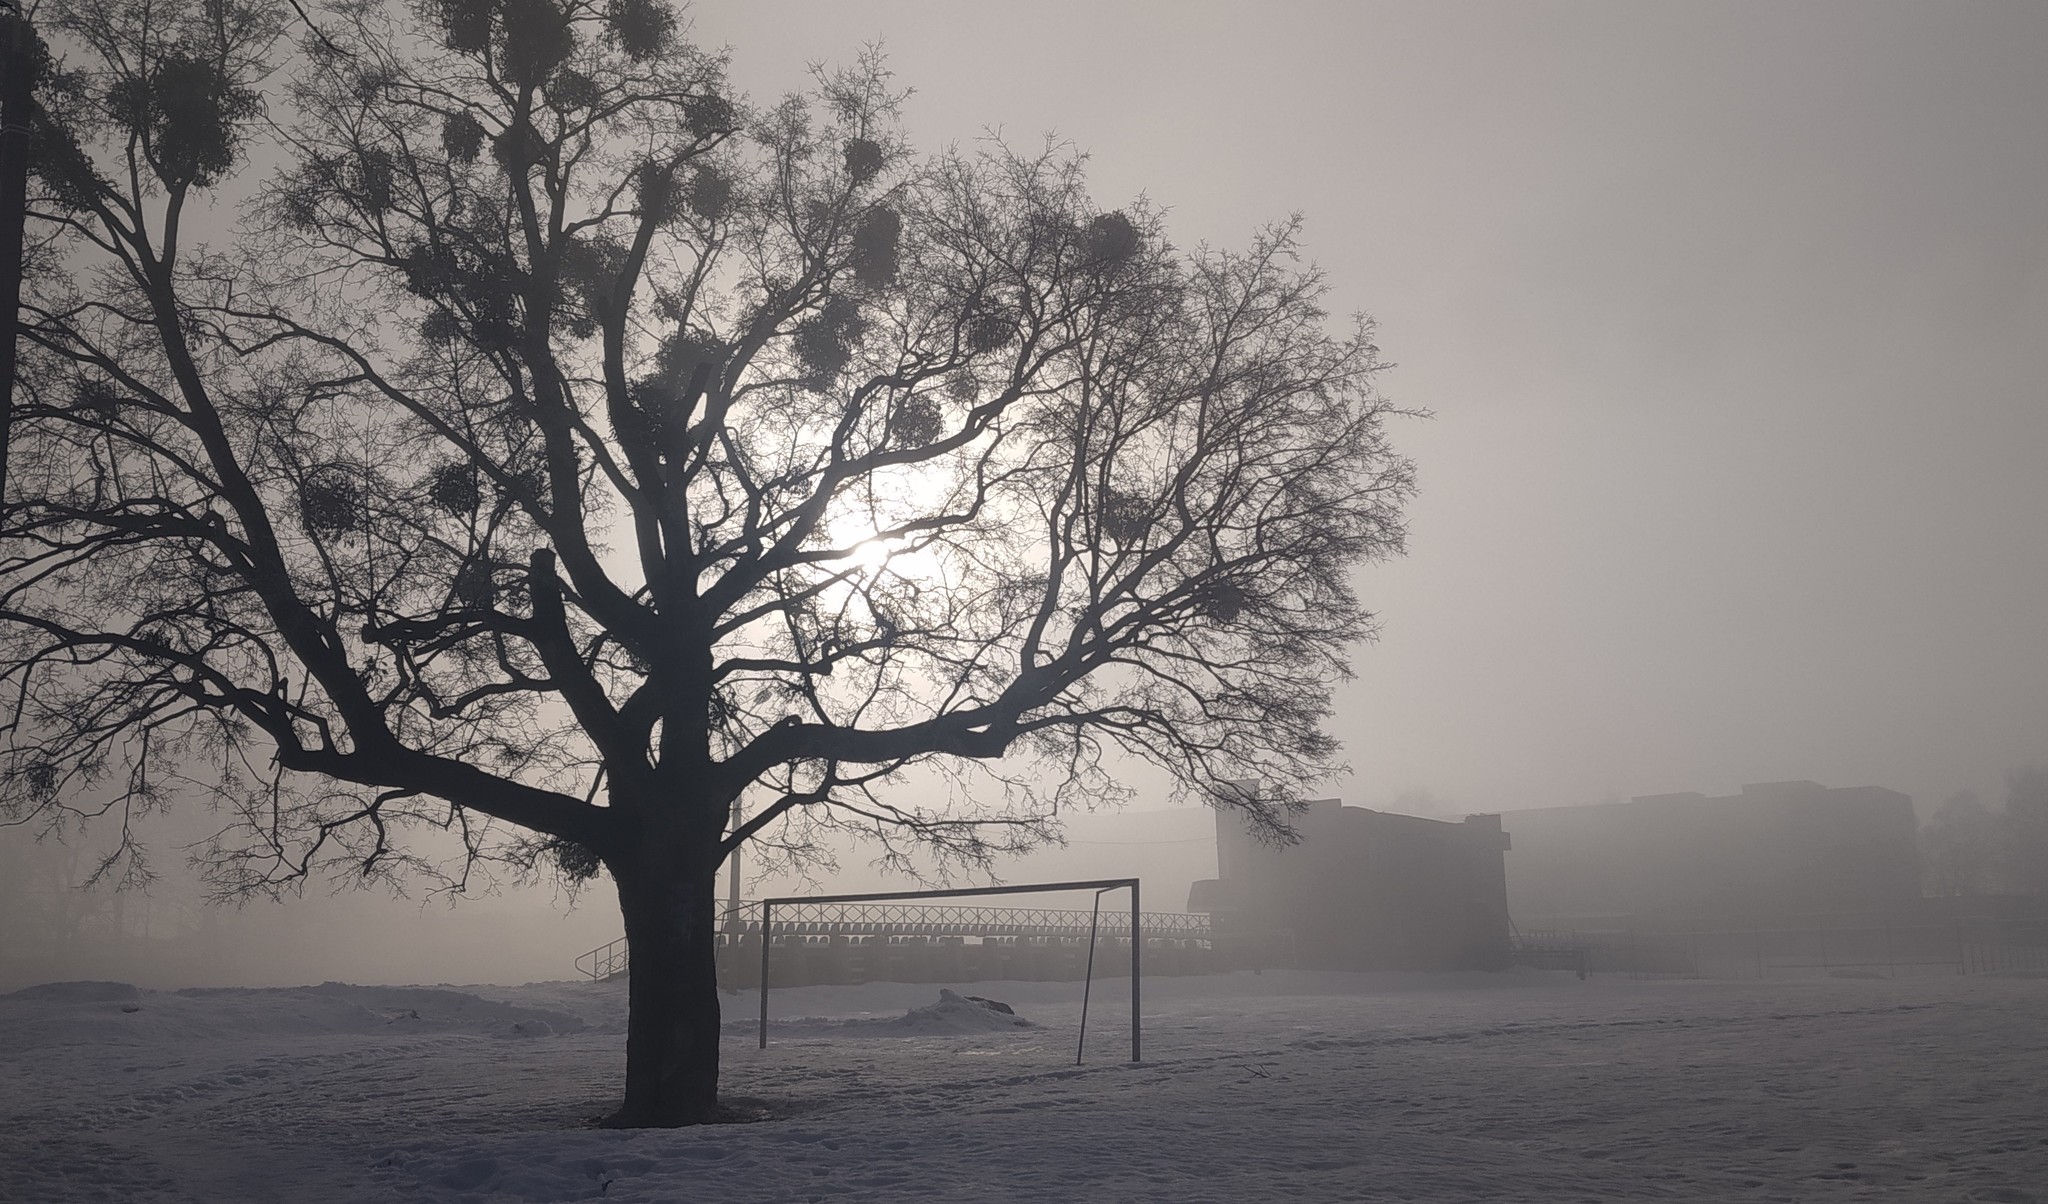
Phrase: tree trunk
[669,905]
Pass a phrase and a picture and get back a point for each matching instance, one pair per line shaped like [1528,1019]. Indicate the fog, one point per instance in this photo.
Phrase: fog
[1730,319]
[54,926]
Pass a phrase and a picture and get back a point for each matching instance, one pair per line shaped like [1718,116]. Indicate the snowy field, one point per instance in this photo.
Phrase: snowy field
[1285,1086]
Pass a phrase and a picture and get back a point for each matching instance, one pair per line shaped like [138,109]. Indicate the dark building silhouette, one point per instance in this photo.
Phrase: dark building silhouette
[1361,890]
[1775,851]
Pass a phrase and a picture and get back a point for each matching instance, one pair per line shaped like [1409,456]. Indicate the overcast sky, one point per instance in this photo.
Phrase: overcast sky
[1733,317]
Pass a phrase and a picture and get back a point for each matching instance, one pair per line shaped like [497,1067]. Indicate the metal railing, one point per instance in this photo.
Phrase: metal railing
[886,921]
[1550,949]
[605,961]
[909,919]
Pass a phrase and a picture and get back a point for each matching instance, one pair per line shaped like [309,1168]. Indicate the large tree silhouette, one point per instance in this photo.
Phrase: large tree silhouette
[562,451]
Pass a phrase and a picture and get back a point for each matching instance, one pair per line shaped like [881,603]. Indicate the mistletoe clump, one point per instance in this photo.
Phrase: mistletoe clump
[331,500]
[824,341]
[1108,242]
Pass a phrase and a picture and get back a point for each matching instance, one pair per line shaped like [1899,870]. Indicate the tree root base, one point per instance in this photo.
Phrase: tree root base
[726,1112]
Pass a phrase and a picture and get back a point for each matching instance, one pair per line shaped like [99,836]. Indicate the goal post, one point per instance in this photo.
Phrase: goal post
[1137,930]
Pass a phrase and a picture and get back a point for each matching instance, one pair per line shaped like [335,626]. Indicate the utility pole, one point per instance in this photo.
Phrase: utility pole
[17,82]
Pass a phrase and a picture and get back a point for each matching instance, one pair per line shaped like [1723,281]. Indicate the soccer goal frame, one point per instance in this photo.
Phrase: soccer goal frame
[1099,885]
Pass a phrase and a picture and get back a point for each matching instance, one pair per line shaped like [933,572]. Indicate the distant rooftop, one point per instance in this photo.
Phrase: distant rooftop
[1750,790]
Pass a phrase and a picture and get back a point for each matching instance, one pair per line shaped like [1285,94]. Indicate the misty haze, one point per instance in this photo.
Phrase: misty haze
[1113,601]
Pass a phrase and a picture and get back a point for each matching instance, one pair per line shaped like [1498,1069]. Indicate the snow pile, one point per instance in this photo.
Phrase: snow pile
[108,1014]
[953,1015]
[77,992]
[958,1014]
[871,1011]
[413,1009]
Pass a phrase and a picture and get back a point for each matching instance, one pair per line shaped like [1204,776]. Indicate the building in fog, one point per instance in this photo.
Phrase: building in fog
[1360,890]
[1776,851]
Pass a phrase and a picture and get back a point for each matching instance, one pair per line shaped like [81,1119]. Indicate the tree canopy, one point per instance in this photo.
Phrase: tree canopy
[563,448]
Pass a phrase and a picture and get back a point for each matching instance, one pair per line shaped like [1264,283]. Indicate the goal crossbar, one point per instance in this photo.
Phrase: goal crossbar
[1137,935]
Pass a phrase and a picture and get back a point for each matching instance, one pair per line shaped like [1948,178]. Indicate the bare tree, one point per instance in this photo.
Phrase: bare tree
[2026,829]
[564,452]
[1959,847]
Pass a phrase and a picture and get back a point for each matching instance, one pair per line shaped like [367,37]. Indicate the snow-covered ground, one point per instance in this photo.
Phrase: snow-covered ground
[1284,1086]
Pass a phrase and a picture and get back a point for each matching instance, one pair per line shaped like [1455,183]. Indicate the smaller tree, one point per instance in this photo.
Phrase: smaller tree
[1959,848]
[2026,830]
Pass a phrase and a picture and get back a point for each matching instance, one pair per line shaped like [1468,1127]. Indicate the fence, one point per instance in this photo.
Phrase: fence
[820,943]
[890,920]
[605,961]
[1888,950]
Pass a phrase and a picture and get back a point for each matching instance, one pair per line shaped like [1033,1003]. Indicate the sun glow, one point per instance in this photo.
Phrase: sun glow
[858,526]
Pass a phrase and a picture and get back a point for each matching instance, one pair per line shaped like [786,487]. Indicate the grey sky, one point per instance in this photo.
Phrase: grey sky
[1732,317]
